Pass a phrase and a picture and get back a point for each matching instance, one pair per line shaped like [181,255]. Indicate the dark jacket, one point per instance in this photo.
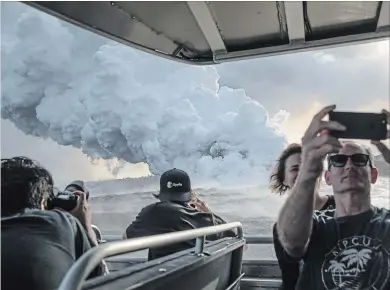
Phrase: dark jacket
[38,247]
[167,217]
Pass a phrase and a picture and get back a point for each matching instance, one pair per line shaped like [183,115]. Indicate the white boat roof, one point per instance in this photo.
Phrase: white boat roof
[199,32]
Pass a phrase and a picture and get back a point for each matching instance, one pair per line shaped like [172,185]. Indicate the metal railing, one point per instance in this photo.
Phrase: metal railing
[75,277]
[250,240]
[259,240]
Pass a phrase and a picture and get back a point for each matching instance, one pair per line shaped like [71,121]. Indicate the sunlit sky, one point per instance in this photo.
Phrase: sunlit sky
[355,78]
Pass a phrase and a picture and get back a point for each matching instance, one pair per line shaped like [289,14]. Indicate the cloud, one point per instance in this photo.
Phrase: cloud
[346,76]
[353,77]
[111,101]
[65,163]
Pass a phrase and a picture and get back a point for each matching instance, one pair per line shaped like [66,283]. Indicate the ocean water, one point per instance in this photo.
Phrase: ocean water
[115,204]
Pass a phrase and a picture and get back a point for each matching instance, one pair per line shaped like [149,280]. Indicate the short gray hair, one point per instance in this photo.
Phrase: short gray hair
[366,148]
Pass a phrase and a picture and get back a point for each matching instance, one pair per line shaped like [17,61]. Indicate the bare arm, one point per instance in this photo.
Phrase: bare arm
[381,146]
[295,219]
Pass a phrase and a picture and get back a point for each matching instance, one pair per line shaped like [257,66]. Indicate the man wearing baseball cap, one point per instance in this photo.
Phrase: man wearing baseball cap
[79,185]
[178,209]
[175,185]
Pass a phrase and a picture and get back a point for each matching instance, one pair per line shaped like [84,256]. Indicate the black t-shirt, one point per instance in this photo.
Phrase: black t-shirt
[290,267]
[38,248]
[167,217]
[348,253]
[330,203]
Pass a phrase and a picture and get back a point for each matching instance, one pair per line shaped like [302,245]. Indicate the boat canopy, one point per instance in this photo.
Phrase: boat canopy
[198,32]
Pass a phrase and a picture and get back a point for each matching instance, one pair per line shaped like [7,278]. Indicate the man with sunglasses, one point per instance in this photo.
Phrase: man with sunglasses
[345,248]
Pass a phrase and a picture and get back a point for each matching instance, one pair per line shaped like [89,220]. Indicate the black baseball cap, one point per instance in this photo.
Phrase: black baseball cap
[175,185]
[78,185]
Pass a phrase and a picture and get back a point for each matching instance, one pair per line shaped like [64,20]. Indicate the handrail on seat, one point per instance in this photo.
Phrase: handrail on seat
[250,240]
[76,275]
[259,240]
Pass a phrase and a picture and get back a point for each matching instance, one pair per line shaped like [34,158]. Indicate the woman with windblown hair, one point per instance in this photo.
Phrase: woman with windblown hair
[282,179]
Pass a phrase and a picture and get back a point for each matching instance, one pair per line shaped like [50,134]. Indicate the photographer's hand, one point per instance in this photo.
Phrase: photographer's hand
[383,149]
[83,213]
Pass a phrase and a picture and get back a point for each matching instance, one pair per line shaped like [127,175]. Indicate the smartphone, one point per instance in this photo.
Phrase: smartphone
[367,126]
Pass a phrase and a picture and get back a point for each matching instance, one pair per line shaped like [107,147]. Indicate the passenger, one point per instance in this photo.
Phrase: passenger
[282,179]
[38,246]
[347,248]
[286,171]
[178,209]
[79,186]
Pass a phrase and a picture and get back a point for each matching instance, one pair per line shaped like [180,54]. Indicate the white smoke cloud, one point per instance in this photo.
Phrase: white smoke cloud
[113,102]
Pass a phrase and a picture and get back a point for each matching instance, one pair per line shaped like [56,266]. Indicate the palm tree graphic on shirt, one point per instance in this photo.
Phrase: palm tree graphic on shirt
[358,258]
[351,265]
[337,268]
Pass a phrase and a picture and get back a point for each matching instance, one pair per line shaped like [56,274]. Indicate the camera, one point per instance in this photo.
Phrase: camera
[65,200]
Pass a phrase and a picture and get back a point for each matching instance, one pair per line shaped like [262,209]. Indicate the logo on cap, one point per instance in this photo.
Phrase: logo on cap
[170,184]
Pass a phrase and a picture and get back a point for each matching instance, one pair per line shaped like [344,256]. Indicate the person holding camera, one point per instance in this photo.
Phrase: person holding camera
[74,199]
[82,212]
[347,247]
[69,200]
[39,245]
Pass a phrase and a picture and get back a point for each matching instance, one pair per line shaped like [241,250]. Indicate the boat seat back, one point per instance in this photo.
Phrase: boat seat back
[97,232]
[219,268]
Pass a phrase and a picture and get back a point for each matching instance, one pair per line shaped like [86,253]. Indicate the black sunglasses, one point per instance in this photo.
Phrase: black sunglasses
[358,159]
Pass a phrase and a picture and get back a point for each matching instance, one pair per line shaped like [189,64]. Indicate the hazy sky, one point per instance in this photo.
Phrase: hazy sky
[353,78]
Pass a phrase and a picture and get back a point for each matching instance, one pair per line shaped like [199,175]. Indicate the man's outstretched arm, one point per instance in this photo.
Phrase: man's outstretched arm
[295,220]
